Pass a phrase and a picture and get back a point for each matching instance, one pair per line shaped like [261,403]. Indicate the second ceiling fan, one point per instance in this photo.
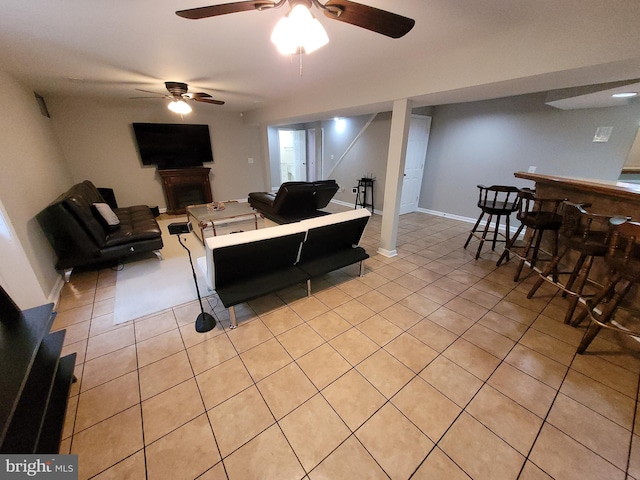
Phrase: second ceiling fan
[178,94]
[371,18]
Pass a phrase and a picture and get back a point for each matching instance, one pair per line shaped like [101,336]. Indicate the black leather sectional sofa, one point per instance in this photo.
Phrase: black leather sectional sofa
[251,264]
[295,201]
[80,237]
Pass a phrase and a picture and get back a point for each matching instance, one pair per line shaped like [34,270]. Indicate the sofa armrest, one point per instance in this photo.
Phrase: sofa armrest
[262,199]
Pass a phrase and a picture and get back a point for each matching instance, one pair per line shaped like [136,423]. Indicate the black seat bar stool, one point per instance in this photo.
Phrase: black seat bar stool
[496,201]
[538,215]
[582,233]
[623,260]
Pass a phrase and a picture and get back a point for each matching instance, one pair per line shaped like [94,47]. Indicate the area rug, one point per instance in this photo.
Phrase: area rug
[149,285]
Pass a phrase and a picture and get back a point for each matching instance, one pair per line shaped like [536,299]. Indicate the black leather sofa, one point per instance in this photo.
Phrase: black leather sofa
[80,237]
[295,201]
[251,264]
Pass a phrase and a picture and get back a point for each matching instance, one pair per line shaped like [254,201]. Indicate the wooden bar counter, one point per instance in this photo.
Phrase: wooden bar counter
[605,197]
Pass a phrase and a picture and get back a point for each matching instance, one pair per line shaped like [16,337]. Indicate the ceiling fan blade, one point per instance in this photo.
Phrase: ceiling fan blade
[197,95]
[209,100]
[379,21]
[215,10]
[148,91]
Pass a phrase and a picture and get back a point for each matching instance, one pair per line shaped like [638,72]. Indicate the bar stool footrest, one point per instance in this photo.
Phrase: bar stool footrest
[516,250]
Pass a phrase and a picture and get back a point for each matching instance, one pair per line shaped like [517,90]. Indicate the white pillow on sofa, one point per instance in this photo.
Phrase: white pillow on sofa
[108,216]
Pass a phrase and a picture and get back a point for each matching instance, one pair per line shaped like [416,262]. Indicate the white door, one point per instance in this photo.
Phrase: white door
[311,155]
[287,165]
[414,162]
[293,155]
[300,155]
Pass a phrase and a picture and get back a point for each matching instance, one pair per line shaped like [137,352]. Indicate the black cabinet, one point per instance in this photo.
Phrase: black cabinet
[34,380]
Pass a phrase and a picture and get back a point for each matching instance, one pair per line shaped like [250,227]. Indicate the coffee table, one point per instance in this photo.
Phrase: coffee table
[234,217]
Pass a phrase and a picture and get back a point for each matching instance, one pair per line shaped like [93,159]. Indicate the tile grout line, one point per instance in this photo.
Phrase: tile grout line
[144,447]
[544,420]
[387,401]
[413,377]
[633,428]
[464,409]
[204,404]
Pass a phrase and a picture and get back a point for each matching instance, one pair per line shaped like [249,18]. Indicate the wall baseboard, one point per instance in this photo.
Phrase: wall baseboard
[387,253]
[512,230]
[54,296]
[346,204]
[437,214]
[447,215]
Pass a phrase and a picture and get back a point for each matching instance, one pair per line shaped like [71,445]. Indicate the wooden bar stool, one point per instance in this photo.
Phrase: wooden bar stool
[623,259]
[496,201]
[586,234]
[538,215]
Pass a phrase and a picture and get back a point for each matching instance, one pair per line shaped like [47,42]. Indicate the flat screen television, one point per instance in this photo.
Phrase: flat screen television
[173,145]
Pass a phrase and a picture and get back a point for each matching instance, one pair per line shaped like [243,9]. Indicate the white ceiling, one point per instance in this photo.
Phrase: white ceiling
[600,96]
[459,50]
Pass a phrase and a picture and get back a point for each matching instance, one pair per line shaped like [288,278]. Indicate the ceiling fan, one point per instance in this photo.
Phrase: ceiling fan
[178,93]
[370,18]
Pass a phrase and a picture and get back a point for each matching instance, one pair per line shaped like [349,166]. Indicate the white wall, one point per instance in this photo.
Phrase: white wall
[357,149]
[88,139]
[98,142]
[367,156]
[33,174]
[486,142]
[479,142]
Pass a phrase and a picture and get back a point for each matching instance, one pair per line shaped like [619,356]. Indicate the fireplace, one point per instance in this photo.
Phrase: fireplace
[185,186]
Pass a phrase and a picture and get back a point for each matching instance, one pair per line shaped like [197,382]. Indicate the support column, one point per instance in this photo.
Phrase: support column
[400,122]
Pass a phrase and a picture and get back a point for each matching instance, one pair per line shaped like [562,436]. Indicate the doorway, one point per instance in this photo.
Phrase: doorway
[16,274]
[417,142]
[293,155]
[312,155]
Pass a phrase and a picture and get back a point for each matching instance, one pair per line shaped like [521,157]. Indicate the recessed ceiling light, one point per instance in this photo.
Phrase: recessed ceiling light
[624,95]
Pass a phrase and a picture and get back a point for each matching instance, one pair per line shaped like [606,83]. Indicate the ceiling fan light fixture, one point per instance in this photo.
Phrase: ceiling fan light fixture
[179,106]
[299,32]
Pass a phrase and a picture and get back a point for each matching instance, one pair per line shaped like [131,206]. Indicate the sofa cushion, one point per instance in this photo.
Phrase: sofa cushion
[78,200]
[294,196]
[295,200]
[262,263]
[325,190]
[331,261]
[244,272]
[332,241]
[136,223]
[107,218]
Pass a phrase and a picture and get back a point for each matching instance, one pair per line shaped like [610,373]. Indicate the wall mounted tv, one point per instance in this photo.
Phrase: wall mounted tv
[173,145]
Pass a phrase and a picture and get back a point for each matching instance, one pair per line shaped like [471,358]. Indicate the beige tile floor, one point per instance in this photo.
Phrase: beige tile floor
[431,366]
